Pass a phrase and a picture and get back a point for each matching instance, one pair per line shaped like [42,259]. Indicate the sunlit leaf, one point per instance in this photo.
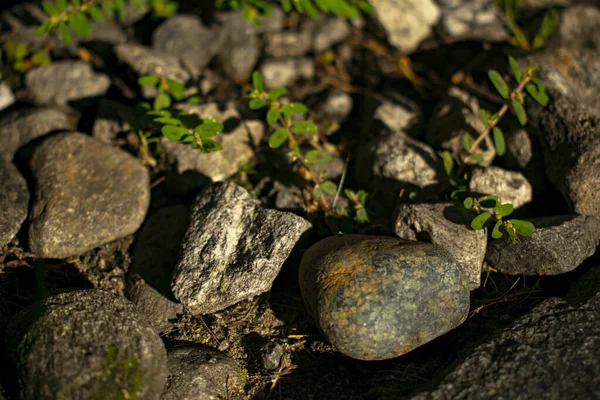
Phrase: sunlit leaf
[272,116]
[497,233]
[329,187]
[162,101]
[503,210]
[304,128]
[148,80]
[276,93]
[448,162]
[173,132]
[480,220]
[499,141]
[256,104]
[65,32]
[524,228]
[468,202]
[520,112]
[515,69]
[318,157]
[278,138]
[499,83]
[257,81]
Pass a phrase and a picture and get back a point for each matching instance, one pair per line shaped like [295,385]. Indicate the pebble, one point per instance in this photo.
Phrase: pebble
[510,186]
[285,71]
[14,201]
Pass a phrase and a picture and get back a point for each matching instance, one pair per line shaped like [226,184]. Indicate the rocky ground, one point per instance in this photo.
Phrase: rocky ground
[174,274]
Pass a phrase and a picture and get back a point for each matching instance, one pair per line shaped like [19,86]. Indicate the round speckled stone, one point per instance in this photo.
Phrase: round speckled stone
[376,298]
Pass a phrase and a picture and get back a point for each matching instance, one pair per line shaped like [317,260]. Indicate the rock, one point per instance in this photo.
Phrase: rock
[145,61]
[287,197]
[64,81]
[273,22]
[511,187]
[376,298]
[447,226]
[200,372]
[233,249]
[109,123]
[337,106]
[480,20]
[270,355]
[237,150]
[241,48]
[7,98]
[558,245]
[406,22]
[154,257]
[87,193]
[22,126]
[284,72]
[396,162]
[185,37]
[328,32]
[519,150]
[86,344]
[14,201]
[289,43]
[395,117]
[549,353]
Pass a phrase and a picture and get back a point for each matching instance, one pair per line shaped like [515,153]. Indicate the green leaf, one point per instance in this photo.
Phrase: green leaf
[484,115]
[108,10]
[42,29]
[515,69]
[161,101]
[448,162]
[193,100]
[499,83]
[210,146]
[318,157]
[148,80]
[173,132]
[503,210]
[65,32]
[19,66]
[50,9]
[497,233]
[168,121]
[121,8]
[524,228]
[20,51]
[362,216]
[278,138]
[480,220]
[272,116]
[538,93]
[61,4]
[286,5]
[40,58]
[362,197]
[468,203]
[304,128]
[257,81]
[80,24]
[520,112]
[294,108]
[488,201]
[477,157]
[176,89]
[209,128]
[256,104]
[76,3]
[96,14]
[329,187]
[276,93]
[169,9]
[499,141]
[466,142]
[548,25]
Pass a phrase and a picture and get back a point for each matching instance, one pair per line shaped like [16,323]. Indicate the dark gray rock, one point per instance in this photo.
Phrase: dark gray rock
[407,23]
[7,98]
[14,201]
[20,127]
[510,186]
[270,355]
[283,72]
[233,249]
[185,37]
[108,121]
[558,245]
[445,225]
[472,20]
[87,193]
[377,297]
[86,344]
[198,372]
[64,81]
[241,47]
[328,32]
[550,353]
[519,149]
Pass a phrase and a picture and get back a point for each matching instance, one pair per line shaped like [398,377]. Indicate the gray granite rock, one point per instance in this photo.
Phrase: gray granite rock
[558,245]
[241,47]
[406,22]
[14,201]
[233,249]
[185,37]
[22,126]
[7,98]
[87,193]
[328,32]
[510,186]
[549,353]
[289,43]
[447,226]
[198,372]
[270,355]
[64,81]
[283,72]
[85,344]
[336,106]
[519,149]
[108,121]
[376,298]
[472,20]
[395,117]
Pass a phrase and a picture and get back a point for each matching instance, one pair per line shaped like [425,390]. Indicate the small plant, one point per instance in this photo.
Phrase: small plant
[491,212]
[519,39]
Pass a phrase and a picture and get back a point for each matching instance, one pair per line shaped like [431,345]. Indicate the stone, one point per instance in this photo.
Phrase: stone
[559,244]
[233,249]
[270,355]
[289,43]
[185,37]
[155,255]
[85,344]
[406,22]
[519,148]
[109,123]
[328,32]
[510,186]
[146,61]
[479,20]
[200,372]
[19,127]
[14,201]
[549,353]
[396,162]
[336,106]
[7,98]
[87,193]
[273,22]
[62,81]
[241,47]
[284,72]
[238,144]
[376,297]
[395,117]
[447,226]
